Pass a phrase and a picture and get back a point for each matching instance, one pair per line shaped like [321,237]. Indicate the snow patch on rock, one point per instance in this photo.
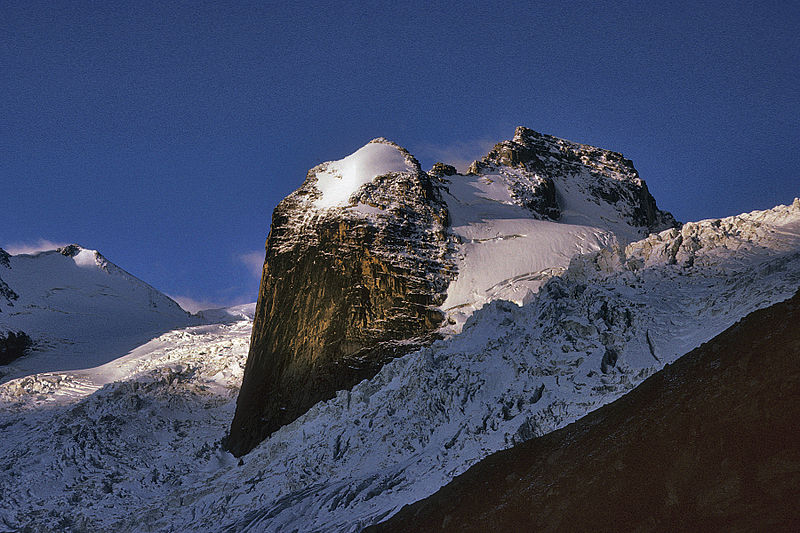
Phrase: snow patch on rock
[338,180]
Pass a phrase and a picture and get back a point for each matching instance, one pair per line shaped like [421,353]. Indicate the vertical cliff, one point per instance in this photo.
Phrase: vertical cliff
[356,267]
[367,256]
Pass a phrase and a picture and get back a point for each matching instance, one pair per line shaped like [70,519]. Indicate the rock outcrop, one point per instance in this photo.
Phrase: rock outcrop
[605,176]
[345,287]
[6,292]
[13,345]
[366,259]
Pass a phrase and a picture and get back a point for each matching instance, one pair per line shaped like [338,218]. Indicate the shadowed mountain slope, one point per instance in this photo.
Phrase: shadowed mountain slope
[711,442]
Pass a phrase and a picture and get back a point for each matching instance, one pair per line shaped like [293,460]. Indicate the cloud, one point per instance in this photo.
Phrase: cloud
[31,248]
[460,154]
[254,261]
[192,305]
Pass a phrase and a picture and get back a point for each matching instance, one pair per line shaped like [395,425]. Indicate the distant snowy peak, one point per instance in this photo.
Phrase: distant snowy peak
[73,296]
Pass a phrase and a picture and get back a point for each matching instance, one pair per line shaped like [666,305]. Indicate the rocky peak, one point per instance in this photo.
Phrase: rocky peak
[440,170]
[4,258]
[357,263]
[71,250]
[364,258]
[539,167]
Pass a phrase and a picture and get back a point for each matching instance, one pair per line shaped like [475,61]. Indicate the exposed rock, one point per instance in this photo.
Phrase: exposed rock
[543,158]
[4,258]
[709,443]
[13,345]
[360,257]
[440,170]
[7,293]
[71,250]
[344,290]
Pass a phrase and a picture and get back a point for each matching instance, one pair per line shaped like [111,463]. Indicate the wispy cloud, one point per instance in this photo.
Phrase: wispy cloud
[254,261]
[193,305]
[32,247]
[460,154]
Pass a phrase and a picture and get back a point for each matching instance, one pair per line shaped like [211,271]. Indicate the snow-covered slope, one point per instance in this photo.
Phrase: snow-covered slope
[79,308]
[528,207]
[337,181]
[592,333]
[373,258]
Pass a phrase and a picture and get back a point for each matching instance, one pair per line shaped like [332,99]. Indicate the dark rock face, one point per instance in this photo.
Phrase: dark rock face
[71,250]
[709,443]
[13,345]
[6,292]
[343,291]
[440,170]
[544,158]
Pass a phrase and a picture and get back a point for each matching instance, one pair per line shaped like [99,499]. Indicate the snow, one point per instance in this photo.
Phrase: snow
[504,253]
[81,310]
[338,180]
[143,452]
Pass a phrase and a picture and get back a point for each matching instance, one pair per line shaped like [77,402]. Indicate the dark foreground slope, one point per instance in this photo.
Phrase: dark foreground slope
[711,442]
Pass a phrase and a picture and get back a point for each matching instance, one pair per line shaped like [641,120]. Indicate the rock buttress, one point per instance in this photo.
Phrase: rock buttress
[343,291]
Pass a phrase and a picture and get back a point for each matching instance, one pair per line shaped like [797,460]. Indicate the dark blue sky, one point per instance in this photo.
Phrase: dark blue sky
[163,134]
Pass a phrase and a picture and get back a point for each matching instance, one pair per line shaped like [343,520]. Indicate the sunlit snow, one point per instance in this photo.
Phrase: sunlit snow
[340,179]
[504,253]
[144,453]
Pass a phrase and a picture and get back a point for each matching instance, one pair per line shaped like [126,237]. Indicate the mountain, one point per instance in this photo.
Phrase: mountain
[371,256]
[78,309]
[594,305]
[356,266]
[589,336]
[709,442]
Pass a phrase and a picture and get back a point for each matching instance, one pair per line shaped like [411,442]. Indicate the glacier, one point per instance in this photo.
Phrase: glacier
[143,452]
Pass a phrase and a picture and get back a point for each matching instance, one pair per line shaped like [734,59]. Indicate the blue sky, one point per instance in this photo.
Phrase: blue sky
[164,133]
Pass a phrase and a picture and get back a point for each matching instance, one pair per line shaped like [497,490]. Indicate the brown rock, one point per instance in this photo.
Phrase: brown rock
[341,294]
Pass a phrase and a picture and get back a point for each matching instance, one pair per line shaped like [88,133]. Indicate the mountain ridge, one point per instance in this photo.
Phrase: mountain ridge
[395,253]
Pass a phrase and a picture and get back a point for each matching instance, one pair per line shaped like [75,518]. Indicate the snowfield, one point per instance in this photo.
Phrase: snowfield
[80,309]
[142,452]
